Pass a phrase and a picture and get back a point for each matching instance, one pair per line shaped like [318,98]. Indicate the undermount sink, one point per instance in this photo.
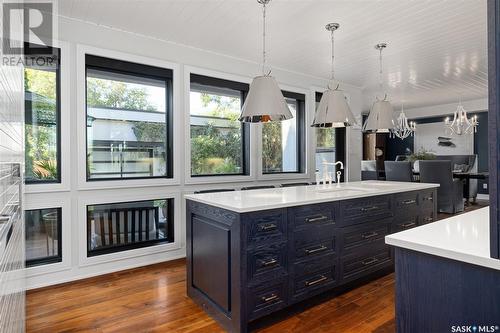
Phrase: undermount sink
[343,190]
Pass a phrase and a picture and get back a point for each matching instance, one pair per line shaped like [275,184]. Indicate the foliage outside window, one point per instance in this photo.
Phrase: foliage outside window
[126,124]
[41,125]
[280,143]
[216,134]
[43,236]
[122,226]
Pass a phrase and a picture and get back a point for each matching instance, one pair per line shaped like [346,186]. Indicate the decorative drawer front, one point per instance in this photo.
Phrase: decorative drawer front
[264,227]
[358,265]
[365,210]
[427,216]
[313,283]
[405,223]
[314,249]
[405,202]
[427,199]
[266,299]
[356,237]
[267,262]
[312,216]
[310,265]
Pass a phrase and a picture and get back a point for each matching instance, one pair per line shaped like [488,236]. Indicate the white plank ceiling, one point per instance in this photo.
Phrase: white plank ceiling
[437,49]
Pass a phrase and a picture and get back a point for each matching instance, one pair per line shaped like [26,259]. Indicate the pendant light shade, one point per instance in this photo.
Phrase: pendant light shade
[380,118]
[265,101]
[333,110]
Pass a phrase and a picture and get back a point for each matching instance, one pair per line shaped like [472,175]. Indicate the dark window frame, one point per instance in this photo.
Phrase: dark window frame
[56,52]
[51,259]
[301,133]
[340,142]
[140,70]
[243,88]
[137,245]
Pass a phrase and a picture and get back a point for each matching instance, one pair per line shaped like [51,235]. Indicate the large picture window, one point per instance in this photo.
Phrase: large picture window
[128,225]
[43,236]
[42,121]
[282,142]
[129,117]
[219,142]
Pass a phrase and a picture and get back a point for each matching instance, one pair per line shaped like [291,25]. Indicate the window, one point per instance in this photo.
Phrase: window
[129,118]
[43,236]
[330,144]
[282,142]
[42,129]
[129,225]
[218,139]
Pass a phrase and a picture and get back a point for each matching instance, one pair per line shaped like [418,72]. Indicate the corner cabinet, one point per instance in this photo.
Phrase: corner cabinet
[244,266]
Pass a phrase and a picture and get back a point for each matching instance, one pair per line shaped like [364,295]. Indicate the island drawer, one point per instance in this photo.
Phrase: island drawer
[427,216]
[313,283]
[312,216]
[315,248]
[267,298]
[354,238]
[357,265]
[406,202]
[265,227]
[405,223]
[428,199]
[267,262]
[365,210]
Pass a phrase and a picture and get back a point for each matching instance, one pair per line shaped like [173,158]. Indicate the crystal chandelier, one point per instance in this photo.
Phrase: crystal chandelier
[402,127]
[461,123]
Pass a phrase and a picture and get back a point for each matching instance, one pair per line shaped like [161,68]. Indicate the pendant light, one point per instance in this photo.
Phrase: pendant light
[265,101]
[402,127]
[461,123]
[380,118]
[333,110]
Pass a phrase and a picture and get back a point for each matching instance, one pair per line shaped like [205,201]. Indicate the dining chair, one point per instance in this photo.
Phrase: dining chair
[398,171]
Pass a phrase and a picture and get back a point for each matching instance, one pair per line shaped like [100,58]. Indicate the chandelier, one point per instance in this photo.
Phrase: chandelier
[461,123]
[402,127]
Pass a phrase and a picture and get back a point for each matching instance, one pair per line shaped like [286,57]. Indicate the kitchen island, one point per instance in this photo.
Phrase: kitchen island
[251,253]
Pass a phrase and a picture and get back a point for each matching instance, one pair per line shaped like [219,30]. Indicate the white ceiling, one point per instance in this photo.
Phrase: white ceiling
[437,49]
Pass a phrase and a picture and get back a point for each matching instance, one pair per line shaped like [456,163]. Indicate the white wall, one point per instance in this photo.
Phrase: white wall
[73,195]
[444,109]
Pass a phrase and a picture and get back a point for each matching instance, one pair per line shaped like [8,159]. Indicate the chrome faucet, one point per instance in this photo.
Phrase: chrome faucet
[326,175]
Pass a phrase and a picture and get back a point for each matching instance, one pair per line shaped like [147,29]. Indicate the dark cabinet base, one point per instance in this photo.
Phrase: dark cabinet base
[243,267]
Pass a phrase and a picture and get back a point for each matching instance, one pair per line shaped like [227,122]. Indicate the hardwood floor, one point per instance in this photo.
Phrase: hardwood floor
[153,299]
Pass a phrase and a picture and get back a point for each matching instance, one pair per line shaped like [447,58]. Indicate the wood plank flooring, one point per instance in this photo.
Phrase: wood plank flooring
[153,299]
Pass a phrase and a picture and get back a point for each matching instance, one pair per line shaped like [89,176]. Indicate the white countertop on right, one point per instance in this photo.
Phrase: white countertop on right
[464,237]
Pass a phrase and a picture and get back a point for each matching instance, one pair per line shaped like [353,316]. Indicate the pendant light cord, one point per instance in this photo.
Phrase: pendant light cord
[333,55]
[381,81]
[263,39]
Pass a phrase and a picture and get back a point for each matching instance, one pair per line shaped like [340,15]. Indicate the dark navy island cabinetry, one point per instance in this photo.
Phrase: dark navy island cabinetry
[246,265]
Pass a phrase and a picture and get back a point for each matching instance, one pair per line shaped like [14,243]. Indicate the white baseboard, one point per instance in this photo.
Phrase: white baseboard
[483,196]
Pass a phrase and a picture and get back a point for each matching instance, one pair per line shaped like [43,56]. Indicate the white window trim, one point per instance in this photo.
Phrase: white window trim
[188,179]
[83,184]
[309,114]
[87,198]
[64,120]
[56,200]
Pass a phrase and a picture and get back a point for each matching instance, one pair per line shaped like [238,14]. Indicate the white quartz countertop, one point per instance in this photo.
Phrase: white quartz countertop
[464,237]
[254,200]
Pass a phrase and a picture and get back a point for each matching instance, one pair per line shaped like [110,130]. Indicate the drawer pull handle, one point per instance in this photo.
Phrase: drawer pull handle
[319,280]
[408,202]
[428,198]
[268,263]
[407,225]
[428,219]
[316,219]
[270,298]
[369,261]
[369,235]
[268,227]
[368,209]
[316,250]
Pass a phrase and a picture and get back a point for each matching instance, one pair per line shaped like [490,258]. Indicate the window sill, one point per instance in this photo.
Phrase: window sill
[124,183]
[284,176]
[218,179]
